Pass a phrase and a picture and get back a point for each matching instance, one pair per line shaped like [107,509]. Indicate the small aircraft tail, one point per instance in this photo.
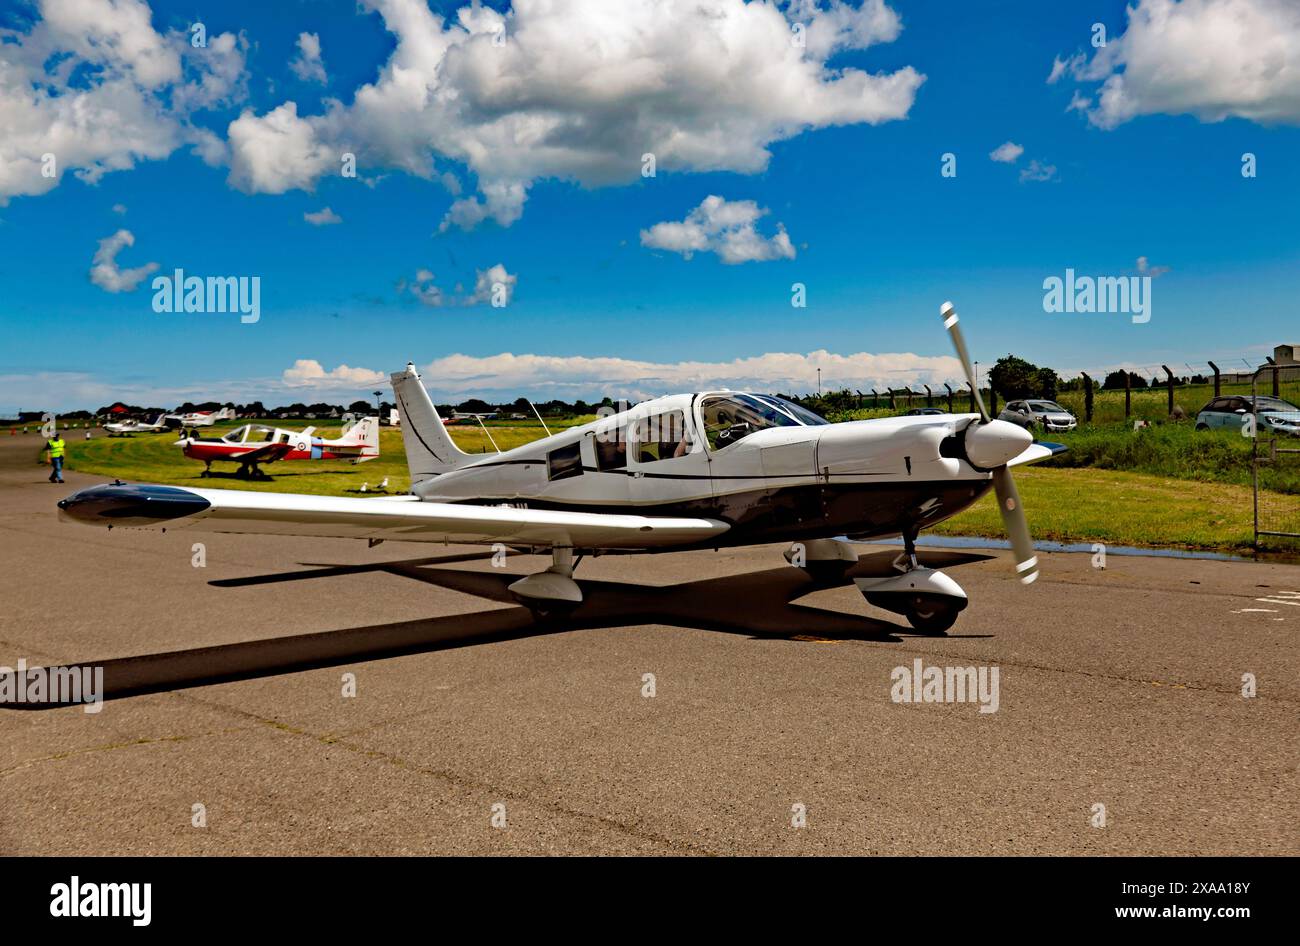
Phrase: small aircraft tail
[429,449]
[365,434]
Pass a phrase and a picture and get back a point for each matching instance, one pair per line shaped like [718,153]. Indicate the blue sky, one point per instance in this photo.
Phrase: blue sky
[878,236]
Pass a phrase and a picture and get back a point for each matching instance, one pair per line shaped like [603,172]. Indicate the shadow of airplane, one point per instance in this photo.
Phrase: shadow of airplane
[755,604]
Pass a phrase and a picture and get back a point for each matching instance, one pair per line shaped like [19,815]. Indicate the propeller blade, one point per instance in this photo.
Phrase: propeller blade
[949,316]
[1013,518]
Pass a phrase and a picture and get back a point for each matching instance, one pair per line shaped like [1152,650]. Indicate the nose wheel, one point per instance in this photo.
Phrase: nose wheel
[929,599]
[931,615]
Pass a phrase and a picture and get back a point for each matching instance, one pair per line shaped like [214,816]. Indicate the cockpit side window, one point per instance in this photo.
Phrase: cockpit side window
[729,418]
[661,437]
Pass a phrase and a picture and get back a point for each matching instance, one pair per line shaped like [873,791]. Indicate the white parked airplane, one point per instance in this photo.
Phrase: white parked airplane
[126,428]
[688,471]
[201,418]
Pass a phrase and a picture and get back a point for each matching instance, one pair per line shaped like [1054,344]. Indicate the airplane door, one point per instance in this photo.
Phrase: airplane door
[666,461]
[790,475]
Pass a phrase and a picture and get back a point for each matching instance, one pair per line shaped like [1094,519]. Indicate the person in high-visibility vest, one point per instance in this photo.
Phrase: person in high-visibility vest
[55,447]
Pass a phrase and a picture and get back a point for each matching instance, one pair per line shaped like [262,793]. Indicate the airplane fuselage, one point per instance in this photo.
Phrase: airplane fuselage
[671,457]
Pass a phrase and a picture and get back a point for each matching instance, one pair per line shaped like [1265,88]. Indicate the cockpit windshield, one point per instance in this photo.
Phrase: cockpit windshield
[238,435]
[801,414]
[729,418]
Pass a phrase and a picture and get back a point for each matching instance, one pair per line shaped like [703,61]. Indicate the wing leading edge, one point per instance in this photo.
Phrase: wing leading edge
[403,518]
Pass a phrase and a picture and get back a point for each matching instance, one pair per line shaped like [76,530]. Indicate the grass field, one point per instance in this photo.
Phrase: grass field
[1122,508]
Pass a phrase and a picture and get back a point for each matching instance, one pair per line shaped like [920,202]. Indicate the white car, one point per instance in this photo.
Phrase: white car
[1274,414]
[1033,413]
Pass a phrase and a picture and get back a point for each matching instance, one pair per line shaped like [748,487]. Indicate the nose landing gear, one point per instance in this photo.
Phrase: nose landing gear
[928,598]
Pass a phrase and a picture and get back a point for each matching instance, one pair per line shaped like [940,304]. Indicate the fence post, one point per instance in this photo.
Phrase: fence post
[1215,368]
[972,396]
[1087,397]
[1273,364]
[1169,380]
[875,399]
[893,404]
[859,399]
[929,397]
[949,387]
[1128,394]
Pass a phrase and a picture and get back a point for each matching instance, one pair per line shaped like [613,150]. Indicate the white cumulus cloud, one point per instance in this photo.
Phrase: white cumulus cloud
[93,86]
[104,271]
[723,227]
[1007,153]
[579,90]
[307,372]
[307,64]
[1213,59]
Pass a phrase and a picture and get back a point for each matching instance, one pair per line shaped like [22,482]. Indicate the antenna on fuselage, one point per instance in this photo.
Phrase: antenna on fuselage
[539,417]
[489,436]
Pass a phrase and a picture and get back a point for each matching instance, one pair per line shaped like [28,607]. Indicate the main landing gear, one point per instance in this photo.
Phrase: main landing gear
[553,593]
[928,598]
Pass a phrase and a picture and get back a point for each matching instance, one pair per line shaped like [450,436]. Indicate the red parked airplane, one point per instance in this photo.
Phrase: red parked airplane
[255,444]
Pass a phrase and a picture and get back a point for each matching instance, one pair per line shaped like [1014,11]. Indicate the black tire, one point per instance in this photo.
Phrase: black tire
[930,616]
[1202,426]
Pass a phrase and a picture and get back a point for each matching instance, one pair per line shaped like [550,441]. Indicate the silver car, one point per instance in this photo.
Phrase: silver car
[1275,414]
[1047,415]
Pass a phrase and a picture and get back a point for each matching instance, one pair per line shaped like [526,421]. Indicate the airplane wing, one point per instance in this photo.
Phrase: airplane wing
[268,454]
[401,518]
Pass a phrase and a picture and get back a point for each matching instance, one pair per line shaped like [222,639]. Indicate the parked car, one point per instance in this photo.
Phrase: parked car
[1046,415]
[923,411]
[1274,414]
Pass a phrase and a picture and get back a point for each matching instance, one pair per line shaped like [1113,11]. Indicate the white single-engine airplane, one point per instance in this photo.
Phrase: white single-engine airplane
[687,471]
[128,427]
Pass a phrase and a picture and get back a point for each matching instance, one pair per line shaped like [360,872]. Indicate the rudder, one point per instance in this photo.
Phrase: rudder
[429,448]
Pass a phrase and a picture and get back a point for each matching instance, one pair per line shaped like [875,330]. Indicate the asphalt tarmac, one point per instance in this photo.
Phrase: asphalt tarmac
[474,731]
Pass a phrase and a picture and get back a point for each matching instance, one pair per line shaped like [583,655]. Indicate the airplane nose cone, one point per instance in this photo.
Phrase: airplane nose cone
[995,443]
[130,504]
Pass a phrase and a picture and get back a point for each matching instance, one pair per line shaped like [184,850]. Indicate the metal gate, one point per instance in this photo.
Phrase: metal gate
[1275,468]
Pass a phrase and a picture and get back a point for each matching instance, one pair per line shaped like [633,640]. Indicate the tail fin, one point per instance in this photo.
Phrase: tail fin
[366,433]
[429,449]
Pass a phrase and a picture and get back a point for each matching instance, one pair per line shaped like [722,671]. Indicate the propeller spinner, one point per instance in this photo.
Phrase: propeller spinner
[992,444]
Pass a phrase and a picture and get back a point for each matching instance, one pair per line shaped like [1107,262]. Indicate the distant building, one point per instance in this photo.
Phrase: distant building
[1286,356]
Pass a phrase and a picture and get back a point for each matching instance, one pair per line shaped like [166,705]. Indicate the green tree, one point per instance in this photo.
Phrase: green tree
[1014,378]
